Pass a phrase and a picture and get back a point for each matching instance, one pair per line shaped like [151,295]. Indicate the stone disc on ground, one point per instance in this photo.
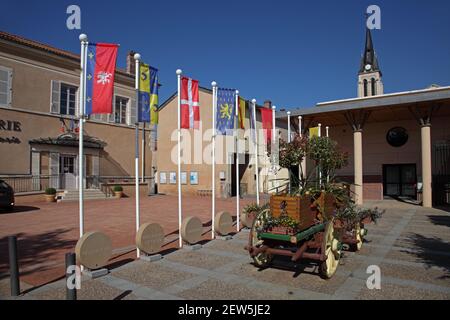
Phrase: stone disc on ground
[191,230]
[93,250]
[223,223]
[150,238]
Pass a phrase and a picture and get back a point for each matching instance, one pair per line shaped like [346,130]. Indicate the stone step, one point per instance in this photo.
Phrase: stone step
[89,194]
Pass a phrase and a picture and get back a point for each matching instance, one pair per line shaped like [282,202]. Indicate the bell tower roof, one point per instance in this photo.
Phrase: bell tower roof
[369,57]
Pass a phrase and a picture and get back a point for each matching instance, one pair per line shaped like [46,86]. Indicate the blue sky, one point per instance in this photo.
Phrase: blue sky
[296,53]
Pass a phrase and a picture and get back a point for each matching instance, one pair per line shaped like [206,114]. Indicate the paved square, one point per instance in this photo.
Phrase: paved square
[410,244]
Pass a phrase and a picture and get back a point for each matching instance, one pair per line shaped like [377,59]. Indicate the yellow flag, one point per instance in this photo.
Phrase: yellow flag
[144,83]
[153,109]
[314,132]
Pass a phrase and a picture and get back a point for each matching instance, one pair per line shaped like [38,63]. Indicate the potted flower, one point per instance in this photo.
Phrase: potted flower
[367,216]
[283,225]
[250,212]
[50,195]
[118,192]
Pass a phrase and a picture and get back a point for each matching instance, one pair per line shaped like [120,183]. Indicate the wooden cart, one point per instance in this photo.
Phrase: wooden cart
[316,239]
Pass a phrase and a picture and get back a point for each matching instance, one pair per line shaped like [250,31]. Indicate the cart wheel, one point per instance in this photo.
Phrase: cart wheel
[357,246]
[261,260]
[331,248]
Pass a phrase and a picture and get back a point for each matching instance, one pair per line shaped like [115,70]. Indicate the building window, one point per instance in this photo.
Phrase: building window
[67,99]
[5,86]
[397,136]
[374,89]
[365,87]
[64,99]
[120,110]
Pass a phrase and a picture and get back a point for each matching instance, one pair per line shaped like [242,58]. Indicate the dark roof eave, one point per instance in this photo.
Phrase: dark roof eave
[396,99]
[51,50]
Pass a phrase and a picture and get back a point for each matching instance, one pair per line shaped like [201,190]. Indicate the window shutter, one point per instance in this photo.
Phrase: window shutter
[9,93]
[77,103]
[132,108]
[56,94]
[36,170]
[111,115]
[95,166]
[54,170]
[5,86]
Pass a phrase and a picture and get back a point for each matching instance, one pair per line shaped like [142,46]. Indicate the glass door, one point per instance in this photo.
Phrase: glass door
[399,180]
[67,171]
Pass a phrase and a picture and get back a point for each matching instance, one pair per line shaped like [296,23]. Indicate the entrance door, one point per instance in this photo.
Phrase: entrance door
[399,180]
[67,172]
[242,168]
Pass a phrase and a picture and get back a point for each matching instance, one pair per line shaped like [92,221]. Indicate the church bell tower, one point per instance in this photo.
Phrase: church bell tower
[369,76]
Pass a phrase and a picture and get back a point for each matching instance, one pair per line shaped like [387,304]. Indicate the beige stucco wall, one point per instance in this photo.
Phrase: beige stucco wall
[32,73]
[376,150]
[117,158]
[167,138]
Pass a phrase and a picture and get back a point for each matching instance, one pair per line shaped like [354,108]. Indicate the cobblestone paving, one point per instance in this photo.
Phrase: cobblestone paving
[410,245]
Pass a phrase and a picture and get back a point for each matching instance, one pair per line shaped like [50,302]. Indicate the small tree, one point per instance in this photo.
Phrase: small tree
[327,157]
[325,154]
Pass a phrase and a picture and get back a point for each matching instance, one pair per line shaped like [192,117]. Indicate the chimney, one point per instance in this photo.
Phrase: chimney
[268,104]
[131,66]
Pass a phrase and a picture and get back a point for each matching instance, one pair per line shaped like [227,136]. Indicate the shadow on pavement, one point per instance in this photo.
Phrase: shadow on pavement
[426,251]
[440,220]
[35,251]
[18,209]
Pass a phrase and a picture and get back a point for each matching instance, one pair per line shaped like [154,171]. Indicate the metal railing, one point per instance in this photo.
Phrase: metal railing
[30,183]
[38,183]
[106,183]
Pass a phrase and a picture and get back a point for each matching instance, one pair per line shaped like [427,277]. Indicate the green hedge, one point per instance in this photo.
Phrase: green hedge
[117,189]
[50,191]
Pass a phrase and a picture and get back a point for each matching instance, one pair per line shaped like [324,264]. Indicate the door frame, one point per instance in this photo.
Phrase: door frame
[399,165]
[64,175]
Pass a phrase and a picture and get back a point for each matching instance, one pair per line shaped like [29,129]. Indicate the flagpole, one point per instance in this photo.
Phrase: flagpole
[213,160]
[179,72]
[137,58]
[289,140]
[256,152]
[273,147]
[326,131]
[320,171]
[289,126]
[143,154]
[237,160]
[84,42]
[303,163]
[300,129]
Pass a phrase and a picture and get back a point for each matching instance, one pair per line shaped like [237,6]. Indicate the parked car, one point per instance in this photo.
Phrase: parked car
[6,196]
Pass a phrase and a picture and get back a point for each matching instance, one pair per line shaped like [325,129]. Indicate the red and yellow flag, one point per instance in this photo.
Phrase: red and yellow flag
[241,113]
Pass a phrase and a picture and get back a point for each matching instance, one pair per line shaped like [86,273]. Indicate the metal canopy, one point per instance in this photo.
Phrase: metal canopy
[383,107]
[70,140]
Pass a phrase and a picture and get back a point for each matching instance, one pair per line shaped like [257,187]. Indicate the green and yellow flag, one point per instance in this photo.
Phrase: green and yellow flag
[314,132]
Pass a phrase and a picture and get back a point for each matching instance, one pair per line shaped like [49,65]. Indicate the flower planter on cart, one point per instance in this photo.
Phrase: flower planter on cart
[353,236]
[315,240]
